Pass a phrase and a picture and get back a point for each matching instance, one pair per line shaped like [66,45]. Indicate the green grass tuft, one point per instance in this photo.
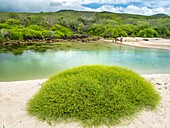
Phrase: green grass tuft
[93,96]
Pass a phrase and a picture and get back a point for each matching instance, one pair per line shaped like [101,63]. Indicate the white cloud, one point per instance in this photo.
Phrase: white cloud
[159,10]
[98,1]
[107,1]
[131,9]
[107,8]
[145,8]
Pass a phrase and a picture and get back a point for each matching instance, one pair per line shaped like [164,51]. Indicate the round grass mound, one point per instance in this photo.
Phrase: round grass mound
[93,95]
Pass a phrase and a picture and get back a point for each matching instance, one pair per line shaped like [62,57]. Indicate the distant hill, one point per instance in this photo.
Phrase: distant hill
[161,15]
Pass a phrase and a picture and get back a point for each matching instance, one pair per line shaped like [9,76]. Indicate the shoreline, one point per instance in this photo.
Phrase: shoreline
[14,96]
[154,43]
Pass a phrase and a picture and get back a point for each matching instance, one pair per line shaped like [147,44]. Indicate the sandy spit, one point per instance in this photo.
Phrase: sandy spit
[157,43]
[14,96]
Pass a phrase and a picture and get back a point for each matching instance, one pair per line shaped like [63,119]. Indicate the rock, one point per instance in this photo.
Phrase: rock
[165,87]
[152,79]
[159,88]
[145,39]
[40,84]
[158,83]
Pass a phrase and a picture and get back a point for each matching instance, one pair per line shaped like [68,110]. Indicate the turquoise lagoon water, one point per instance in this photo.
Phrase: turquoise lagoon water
[35,65]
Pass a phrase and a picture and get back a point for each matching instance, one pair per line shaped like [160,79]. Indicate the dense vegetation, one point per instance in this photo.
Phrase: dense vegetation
[70,24]
[93,95]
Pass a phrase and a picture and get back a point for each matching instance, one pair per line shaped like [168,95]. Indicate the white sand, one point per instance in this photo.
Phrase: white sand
[14,96]
[157,43]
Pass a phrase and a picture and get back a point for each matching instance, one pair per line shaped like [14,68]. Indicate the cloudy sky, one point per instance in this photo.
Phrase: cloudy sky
[144,7]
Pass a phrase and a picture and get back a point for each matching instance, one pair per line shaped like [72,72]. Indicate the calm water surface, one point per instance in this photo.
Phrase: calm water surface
[34,65]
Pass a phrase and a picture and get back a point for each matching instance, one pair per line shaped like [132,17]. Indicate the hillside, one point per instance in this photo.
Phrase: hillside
[70,24]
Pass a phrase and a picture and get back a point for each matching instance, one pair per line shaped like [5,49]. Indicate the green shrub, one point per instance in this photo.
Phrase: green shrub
[122,32]
[34,20]
[62,30]
[103,30]
[58,34]
[45,33]
[128,28]
[32,34]
[162,31]
[15,34]
[27,33]
[5,33]
[36,27]
[96,30]
[37,34]
[148,32]
[49,34]
[93,95]
[141,26]
[13,15]
[5,26]
[1,38]
[13,22]
[110,32]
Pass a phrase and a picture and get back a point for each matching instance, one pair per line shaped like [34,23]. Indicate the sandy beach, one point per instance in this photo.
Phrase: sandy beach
[158,43]
[14,96]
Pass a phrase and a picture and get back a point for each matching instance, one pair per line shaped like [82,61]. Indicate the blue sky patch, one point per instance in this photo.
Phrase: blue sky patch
[97,5]
[93,5]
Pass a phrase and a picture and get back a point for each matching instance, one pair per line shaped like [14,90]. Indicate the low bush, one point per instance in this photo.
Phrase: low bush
[148,32]
[31,33]
[5,26]
[15,34]
[13,22]
[61,30]
[93,95]
[1,38]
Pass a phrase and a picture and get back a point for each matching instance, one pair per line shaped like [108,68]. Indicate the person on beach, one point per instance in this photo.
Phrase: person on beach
[121,39]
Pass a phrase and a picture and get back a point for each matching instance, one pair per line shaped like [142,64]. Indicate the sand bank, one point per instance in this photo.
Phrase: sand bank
[14,96]
[157,43]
